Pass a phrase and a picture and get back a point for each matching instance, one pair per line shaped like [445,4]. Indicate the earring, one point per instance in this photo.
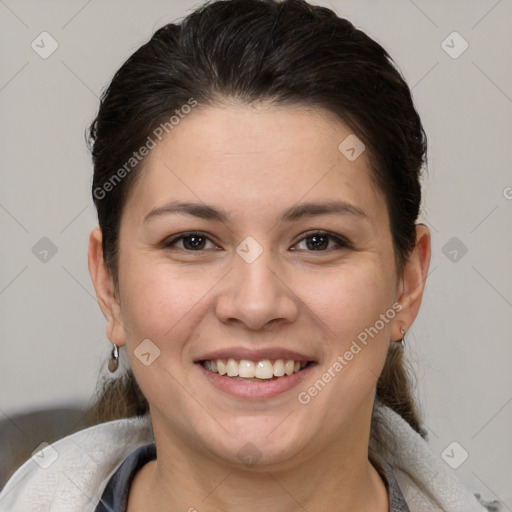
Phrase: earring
[113,364]
[402,341]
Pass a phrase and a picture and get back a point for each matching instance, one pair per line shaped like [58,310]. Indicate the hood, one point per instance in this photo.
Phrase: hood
[428,484]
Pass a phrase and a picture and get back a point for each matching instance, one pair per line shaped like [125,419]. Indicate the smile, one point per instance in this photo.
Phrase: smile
[254,379]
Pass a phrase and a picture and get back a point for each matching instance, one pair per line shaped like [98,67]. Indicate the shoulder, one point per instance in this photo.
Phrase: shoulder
[70,474]
[426,481]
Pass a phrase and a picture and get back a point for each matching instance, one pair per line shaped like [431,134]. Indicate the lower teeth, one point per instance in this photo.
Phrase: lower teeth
[253,379]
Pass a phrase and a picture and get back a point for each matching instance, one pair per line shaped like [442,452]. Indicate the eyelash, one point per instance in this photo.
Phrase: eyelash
[340,241]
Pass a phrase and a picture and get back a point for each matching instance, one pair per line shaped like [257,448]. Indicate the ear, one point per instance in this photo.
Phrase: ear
[105,289]
[412,281]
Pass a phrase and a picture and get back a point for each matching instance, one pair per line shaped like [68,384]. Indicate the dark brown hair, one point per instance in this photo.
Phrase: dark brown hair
[283,52]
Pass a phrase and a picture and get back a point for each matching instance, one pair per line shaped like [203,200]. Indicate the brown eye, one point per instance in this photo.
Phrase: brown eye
[191,242]
[318,241]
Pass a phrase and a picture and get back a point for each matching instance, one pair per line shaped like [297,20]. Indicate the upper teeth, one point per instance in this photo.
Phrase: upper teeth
[249,369]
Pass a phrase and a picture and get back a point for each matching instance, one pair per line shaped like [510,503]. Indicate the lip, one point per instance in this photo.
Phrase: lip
[239,353]
[254,389]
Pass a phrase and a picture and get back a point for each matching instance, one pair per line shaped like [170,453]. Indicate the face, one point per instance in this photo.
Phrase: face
[253,275]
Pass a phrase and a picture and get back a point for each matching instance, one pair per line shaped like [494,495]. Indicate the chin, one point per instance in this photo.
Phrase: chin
[258,442]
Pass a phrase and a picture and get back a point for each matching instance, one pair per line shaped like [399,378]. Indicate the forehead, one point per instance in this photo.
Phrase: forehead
[257,158]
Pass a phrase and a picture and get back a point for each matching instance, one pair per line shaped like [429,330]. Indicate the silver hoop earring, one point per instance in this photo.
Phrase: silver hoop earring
[113,364]
[402,341]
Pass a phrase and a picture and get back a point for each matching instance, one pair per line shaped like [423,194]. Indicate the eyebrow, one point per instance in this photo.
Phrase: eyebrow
[294,213]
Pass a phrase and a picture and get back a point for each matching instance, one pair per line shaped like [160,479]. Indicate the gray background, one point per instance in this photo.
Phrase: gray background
[52,332]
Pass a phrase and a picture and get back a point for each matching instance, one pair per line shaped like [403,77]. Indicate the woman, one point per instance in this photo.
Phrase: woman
[258,261]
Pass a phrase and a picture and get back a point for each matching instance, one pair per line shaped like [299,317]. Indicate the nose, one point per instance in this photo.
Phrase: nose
[257,293]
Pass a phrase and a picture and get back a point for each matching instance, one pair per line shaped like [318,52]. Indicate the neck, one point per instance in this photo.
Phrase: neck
[339,478]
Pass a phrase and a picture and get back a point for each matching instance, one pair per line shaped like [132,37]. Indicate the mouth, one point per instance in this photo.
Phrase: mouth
[255,374]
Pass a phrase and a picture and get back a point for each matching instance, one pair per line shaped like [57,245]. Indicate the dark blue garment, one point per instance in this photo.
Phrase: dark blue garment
[397,501]
[115,495]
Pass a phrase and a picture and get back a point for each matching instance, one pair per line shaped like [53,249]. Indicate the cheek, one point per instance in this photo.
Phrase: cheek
[159,302]
[161,305]
[349,300]
[352,305]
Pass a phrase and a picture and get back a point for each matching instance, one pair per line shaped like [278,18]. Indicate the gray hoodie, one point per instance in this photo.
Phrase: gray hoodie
[72,474]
